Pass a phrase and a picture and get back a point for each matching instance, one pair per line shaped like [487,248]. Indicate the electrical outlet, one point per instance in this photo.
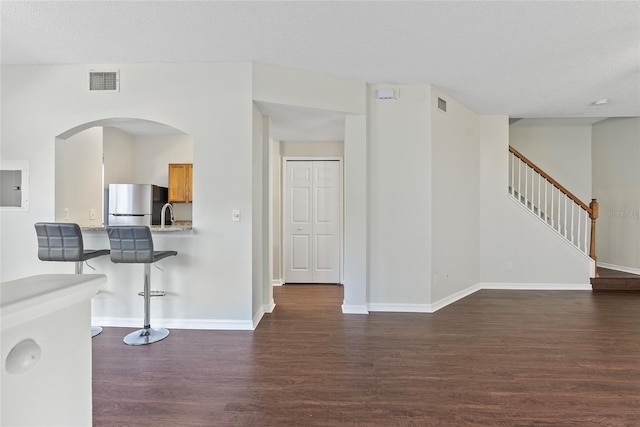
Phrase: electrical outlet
[92,214]
[508,266]
[66,213]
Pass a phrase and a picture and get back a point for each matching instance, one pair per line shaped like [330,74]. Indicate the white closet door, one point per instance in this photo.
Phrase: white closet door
[311,244]
[297,222]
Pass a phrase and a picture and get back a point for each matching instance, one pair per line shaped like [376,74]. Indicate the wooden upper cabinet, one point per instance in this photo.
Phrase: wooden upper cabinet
[180,182]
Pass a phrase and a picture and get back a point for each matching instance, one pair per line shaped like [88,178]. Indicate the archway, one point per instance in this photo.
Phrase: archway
[93,155]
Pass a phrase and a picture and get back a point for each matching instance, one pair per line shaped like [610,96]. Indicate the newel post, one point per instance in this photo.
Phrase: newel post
[593,215]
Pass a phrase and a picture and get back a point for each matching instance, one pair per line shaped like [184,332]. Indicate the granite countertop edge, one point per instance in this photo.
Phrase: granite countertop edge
[154,228]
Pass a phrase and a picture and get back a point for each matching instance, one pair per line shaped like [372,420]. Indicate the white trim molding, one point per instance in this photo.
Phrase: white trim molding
[354,309]
[537,286]
[244,325]
[268,308]
[204,324]
[400,308]
[258,317]
[441,303]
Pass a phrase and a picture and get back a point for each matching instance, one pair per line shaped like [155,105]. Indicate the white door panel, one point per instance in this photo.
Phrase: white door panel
[300,260]
[301,198]
[312,222]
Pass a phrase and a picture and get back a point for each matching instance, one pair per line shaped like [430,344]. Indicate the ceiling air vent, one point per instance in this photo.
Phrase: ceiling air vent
[104,81]
[442,105]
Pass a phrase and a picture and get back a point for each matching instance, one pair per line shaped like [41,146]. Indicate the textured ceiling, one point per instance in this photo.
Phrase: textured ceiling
[523,59]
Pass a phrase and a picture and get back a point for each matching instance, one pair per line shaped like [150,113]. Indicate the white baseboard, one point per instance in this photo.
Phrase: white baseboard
[268,308]
[400,308]
[437,305]
[276,282]
[257,317]
[441,303]
[245,325]
[537,286]
[354,309]
[619,268]
[207,324]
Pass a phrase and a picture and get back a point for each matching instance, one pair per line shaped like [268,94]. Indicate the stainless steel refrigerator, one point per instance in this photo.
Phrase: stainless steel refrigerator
[136,204]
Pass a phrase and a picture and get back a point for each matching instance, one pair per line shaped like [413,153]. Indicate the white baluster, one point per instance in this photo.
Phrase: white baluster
[519,179]
[511,157]
[559,207]
[526,185]
[546,212]
[566,234]
[539,191]
[572,222]
[586,232]
[552,212]
[579,245]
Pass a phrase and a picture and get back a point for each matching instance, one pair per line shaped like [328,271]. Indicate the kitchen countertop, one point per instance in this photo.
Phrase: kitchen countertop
[186,226]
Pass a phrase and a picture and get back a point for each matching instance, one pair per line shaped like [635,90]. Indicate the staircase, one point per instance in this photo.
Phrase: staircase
[553,204]
[612,280]
[565,214]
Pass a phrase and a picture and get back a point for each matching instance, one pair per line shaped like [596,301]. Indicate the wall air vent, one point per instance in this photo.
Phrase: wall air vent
[442,105]
[104,81]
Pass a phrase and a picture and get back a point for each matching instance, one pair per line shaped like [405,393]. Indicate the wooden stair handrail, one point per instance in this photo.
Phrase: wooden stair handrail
[591,209]
[553,182]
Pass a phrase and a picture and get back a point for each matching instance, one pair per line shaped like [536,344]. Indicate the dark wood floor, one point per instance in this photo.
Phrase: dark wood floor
[495,358]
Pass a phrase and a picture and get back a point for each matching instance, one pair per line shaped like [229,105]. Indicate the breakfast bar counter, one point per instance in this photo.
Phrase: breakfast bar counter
[179,226]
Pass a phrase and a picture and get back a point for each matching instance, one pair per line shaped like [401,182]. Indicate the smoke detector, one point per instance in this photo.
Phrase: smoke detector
[386,94]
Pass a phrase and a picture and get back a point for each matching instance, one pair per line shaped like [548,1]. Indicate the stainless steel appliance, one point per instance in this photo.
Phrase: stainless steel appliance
[136,204]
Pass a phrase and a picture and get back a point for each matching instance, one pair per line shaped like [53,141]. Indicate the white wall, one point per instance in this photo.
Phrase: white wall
[152,155]
[455,169]
[288,86]
[78,177]
[516,249]
[275,184]
[564,152]
[399,198]
[356,222]
[616,184]
[312,148]
[209,281]
[119,156]
[268,304]
[259,202]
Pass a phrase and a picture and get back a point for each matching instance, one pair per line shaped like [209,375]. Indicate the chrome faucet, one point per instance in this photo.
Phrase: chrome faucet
[162,214]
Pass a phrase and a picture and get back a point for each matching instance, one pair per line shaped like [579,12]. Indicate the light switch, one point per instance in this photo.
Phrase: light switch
[235,215]
[92,214]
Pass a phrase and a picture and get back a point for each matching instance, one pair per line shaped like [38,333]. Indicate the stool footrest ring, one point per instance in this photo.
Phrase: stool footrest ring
[154,293]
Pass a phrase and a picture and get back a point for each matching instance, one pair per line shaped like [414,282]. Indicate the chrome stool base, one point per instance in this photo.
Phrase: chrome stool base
[95,330]
[146,336]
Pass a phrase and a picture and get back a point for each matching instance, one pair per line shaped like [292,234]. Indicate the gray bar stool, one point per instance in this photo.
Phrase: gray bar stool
[134,244]
[62,241]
